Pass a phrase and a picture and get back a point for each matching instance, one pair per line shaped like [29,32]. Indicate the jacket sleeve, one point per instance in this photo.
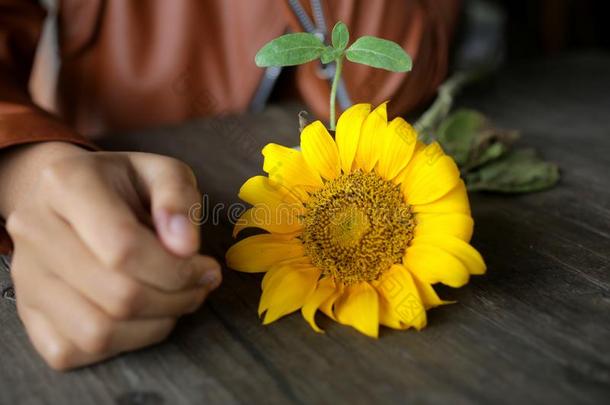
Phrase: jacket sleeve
[21,121]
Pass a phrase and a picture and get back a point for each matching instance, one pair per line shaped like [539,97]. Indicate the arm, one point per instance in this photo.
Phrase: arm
[105,236]
[21,122]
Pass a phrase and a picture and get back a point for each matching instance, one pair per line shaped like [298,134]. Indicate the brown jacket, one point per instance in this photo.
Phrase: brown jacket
[128,64]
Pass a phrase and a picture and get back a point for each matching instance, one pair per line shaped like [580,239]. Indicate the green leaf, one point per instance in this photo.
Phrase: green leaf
[458,132]
[379,53]
[340,36]
[520,171]
[289,50]
[330,54]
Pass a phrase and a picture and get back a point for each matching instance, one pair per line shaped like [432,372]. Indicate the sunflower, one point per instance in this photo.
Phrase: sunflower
[358,227]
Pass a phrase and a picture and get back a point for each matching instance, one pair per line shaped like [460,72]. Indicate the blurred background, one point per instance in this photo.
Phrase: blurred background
[505,31]
[536,28]
[491,31]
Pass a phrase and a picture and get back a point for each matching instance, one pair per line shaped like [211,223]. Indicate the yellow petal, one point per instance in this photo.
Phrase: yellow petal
[320,150]
[275,221]
[287,292]
[470,258]
[458,225]
[260,190]
[258,253]
[400,304]
[369,145]
[456,201]
[387,316]
[427,294]
[359,308]
[397,145]
[432,265]
[283,266]
[325,289]
[430,175]
[275,208]
[328,306]
[347,134]
[419,146]
[288,167]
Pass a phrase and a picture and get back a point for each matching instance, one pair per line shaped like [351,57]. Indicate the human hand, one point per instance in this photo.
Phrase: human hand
[105,257]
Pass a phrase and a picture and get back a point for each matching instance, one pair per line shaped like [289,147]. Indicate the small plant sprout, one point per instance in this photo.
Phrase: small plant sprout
[299,48]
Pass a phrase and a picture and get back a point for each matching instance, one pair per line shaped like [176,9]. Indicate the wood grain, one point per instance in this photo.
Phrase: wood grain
[535,329]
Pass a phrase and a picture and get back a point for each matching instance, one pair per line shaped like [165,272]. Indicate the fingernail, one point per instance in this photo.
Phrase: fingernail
[178,225]
[211,279]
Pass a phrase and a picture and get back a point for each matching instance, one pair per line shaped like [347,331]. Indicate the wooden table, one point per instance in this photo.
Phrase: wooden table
[535,329]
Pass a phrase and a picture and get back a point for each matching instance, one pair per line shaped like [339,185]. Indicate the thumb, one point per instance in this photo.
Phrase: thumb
[171,188]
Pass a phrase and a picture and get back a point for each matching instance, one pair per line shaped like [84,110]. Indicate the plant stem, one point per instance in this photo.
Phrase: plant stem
[333,91]
[440,108]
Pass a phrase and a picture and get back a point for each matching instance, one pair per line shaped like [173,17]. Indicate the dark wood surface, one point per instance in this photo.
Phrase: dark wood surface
[535,329]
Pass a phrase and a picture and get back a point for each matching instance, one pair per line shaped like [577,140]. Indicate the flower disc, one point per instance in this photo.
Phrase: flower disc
[356,227]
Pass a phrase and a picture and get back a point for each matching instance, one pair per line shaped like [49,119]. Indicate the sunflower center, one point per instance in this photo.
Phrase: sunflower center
[357,226]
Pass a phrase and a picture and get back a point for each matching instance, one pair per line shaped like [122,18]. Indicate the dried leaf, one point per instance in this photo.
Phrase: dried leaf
[520,171]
